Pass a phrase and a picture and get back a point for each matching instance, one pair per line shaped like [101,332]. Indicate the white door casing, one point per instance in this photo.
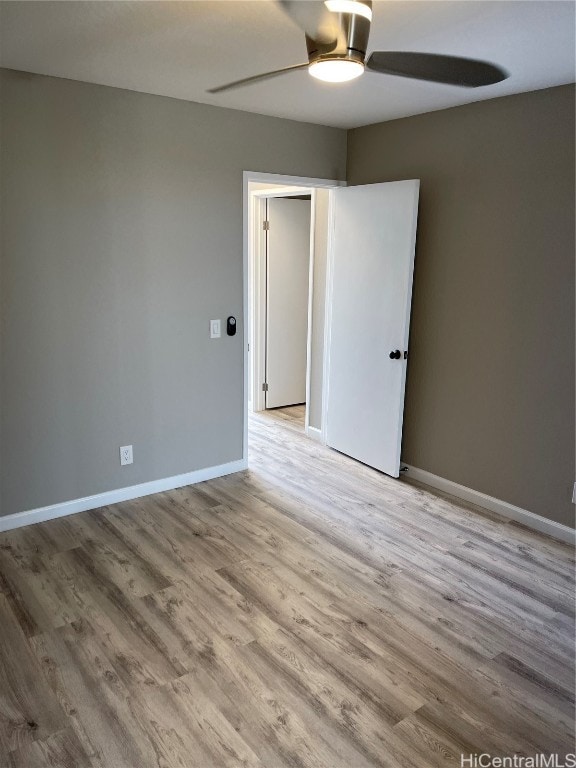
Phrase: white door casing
[372,260]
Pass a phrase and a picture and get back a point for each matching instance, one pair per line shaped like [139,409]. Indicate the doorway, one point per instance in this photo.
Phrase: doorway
[369,235]
[288,241]
[285,284]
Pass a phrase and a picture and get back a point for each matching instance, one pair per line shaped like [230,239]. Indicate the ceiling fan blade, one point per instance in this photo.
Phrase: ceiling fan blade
[314,19]
[257,78]
[451,70]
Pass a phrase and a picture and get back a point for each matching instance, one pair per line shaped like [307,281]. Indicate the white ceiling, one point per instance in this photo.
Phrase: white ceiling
[180,49]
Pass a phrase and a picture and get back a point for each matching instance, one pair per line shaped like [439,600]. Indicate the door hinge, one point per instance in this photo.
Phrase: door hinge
[264,387]
[265,226]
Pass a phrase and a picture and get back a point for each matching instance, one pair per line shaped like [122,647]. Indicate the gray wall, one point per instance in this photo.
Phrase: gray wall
[121,236]
[490,391]
[121,228]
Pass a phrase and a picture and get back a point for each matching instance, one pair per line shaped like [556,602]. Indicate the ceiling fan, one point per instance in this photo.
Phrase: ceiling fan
[337,34]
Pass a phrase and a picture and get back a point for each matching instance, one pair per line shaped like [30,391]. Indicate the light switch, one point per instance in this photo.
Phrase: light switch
[215,329]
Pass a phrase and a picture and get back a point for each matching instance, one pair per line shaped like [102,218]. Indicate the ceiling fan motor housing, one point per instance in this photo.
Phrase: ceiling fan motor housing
[351,43]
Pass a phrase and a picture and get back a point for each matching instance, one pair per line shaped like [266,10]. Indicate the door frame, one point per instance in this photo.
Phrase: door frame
[260,295]
[258,318]
[253,243]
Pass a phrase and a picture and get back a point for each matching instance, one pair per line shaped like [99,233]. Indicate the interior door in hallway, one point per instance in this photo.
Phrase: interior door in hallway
[287,286]
[374,239]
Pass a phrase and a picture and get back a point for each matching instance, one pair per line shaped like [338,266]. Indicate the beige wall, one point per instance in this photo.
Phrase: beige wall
[490,391]
[121,227]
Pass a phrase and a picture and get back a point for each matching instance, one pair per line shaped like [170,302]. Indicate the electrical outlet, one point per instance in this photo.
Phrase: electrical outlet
[574,494]
[126,455]
[215,332]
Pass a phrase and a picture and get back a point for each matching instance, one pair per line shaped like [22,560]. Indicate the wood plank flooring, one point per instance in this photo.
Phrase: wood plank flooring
[307,612]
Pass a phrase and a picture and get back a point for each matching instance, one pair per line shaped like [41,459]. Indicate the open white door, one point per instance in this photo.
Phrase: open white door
[374,237]
[288,267]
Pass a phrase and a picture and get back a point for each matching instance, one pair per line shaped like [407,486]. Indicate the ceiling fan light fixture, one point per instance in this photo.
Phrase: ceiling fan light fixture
[336,70]
[349,6]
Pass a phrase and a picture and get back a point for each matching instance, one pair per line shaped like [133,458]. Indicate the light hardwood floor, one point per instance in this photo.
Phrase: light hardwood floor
[308,612]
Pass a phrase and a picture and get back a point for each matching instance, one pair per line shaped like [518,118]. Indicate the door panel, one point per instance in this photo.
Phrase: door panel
[374,239]
[288,266]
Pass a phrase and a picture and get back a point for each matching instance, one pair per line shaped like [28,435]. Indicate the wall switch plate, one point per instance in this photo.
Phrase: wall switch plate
[126,455]
[574,494]
[215,332]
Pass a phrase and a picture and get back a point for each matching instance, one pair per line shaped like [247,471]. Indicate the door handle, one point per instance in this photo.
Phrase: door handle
[395,355]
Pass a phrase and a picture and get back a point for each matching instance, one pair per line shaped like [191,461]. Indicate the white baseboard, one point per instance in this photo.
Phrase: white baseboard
[314,434]
[529,519]
[40,515]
